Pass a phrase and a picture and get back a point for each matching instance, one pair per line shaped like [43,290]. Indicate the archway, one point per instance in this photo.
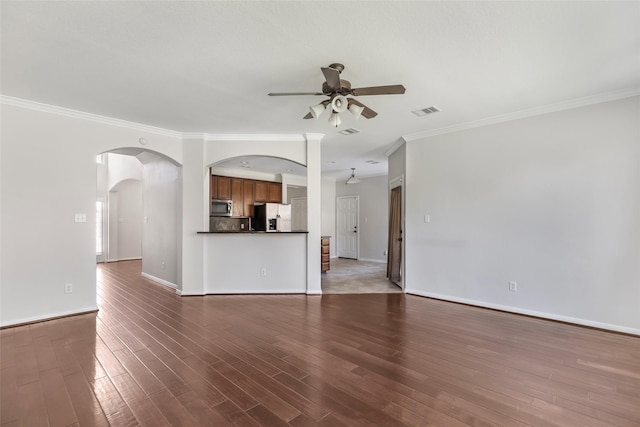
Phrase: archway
[140,190]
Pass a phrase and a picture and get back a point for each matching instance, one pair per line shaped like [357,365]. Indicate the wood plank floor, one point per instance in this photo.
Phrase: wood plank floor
[149,357]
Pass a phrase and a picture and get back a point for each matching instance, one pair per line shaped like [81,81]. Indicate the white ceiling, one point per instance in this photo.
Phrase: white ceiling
[208,66]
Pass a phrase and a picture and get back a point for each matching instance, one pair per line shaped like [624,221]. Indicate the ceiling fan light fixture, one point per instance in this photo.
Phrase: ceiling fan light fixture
[339,103]
[334,120]
[317,110]
[356,110]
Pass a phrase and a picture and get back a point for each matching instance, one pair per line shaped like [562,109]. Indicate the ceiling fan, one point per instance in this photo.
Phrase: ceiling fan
[337,90]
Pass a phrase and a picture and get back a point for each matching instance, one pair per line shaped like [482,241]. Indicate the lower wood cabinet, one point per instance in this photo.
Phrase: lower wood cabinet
[325,260]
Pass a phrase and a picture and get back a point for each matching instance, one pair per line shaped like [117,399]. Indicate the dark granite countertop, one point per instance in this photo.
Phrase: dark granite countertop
[252,232]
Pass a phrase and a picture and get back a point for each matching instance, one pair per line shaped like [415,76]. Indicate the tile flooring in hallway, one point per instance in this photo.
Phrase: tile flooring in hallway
[350,276]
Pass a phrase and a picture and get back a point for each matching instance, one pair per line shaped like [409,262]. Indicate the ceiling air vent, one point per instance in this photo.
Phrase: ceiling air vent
[426,111]
[349,131]
[372,162]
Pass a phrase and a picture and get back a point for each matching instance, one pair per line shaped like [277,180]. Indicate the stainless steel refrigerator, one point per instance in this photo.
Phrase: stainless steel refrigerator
[272,217]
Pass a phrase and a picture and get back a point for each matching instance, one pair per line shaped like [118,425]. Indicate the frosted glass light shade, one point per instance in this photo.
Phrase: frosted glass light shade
[317,110]
[334,120]
[356,110]
[339,104]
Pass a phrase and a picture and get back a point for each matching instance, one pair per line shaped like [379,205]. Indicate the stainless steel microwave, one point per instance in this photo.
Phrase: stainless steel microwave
[221,207]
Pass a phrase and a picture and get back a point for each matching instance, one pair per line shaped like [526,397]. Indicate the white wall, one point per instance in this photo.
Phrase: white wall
[124,207]
[233,263]
[328,212]
[551,201]
[122,167]
[373,215]
[161,206]
[48,174]
[125,221]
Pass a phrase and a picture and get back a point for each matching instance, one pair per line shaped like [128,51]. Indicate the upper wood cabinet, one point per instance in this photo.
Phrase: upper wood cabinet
[237,196]
[244,192]
[220,187]
[262,191]
[249,193]
[275,192]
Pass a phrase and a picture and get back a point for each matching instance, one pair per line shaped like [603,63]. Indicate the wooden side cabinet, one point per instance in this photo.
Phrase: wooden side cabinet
[325,262]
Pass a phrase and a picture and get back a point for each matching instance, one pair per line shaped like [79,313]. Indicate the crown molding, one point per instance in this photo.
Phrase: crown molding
[67,112]
[551,108]
[246,137]
[395,146]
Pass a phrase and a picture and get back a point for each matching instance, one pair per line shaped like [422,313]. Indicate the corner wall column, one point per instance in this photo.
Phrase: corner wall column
[194,217]
[314,224]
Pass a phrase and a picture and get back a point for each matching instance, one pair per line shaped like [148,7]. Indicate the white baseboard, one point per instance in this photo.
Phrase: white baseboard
[259,291]
[534,313]
[159,280]
[188,294]
[49,316]
[124,259]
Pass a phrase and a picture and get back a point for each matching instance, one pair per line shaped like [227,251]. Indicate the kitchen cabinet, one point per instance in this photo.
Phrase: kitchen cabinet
[325,260]
[275,192]
[248,197]
[262,191]
[221,187]
[268,192]
[237,196]
[244,193]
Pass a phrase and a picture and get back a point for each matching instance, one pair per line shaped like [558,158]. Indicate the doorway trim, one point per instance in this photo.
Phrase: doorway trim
[394,183]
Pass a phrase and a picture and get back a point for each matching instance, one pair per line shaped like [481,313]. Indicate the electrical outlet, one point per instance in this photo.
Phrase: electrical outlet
[513,286]
[263,272]
[68,288]
[386,252]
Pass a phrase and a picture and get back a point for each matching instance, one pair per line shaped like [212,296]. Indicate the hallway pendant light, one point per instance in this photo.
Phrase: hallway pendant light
[352,179]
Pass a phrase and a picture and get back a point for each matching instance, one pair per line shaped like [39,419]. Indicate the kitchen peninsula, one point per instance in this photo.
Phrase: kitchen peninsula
[240,260]
[255,262]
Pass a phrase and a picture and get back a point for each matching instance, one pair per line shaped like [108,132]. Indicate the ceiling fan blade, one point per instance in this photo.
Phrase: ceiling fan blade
[367,113]
[308,116]
[293,93]
[379,90]
[332,76]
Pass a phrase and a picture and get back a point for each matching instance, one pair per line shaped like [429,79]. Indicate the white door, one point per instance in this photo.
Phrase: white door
[299,213]
[347,242]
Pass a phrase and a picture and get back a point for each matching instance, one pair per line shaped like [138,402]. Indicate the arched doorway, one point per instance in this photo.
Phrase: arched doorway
[138,212]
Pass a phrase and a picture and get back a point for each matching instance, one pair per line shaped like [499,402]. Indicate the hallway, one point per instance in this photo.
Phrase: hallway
[350,276]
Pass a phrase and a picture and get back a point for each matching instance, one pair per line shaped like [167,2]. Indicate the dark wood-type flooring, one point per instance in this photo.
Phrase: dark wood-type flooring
[150,357]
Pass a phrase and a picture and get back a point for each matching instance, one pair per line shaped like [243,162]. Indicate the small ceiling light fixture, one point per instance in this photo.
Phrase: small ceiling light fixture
[352,179]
